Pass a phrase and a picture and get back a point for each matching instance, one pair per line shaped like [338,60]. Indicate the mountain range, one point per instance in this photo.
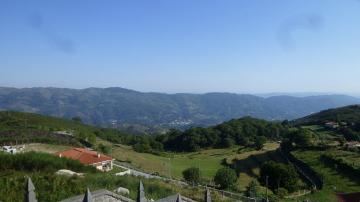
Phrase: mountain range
[123,107]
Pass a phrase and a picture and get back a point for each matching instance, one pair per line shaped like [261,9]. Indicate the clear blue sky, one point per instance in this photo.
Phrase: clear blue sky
[242,46]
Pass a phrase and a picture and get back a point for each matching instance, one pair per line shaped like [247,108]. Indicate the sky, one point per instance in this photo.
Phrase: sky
[193,46]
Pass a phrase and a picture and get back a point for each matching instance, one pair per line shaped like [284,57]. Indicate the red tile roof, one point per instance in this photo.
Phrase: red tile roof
[351,197]
[84,156]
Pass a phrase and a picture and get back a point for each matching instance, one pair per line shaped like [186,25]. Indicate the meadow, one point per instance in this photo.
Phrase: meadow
[173,164]
[208,161]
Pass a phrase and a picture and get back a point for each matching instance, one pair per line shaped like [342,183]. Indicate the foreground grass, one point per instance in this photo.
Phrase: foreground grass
[335,181]
[170,164]
[50,187]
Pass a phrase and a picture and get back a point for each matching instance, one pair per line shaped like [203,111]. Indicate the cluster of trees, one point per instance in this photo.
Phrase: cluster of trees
[246,131]
[351,134]
[278,175]
[299,138]
[224,178]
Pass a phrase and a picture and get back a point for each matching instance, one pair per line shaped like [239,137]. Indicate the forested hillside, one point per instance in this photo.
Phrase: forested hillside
[19,127]
[248,132]
[348,114]
[132,109]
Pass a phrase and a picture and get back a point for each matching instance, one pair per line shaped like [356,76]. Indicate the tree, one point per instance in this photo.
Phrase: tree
[259,142]
[303,138]
[278,175]
[104,149]
[192,175]
[142,148]
[225,177]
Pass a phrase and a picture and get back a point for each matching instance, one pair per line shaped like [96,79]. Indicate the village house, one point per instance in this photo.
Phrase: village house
[332,125]
[352,144]
[87,157]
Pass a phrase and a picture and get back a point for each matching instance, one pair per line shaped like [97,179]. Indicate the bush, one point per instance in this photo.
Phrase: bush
[104,149]
[281,192]
[225,177]
[259,142]
[192,175]
[142,148]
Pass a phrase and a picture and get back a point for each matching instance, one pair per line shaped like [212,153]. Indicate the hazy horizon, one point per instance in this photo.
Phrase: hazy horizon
[261,94]
[252,47]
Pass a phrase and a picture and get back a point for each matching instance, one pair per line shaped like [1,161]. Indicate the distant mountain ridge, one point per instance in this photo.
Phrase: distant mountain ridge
[117,106]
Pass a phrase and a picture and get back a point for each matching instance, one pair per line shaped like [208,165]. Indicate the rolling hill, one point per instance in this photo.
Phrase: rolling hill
[119,107]
[348,114]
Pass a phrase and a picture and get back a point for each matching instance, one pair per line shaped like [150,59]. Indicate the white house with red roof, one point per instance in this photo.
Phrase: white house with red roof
[87,157]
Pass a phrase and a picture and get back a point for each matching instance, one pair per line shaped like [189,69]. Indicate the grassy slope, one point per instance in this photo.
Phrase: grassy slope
[333,178]
[209,161]
[47,122]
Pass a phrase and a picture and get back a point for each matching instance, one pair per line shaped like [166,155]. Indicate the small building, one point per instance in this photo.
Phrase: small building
[87,157]
[331,125]
[64,133]
[352,144]
[9,149]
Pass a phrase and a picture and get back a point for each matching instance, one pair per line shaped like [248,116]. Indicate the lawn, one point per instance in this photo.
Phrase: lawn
[335,181]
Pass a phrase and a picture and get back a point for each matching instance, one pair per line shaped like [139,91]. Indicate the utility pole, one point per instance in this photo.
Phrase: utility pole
[170,168]
[267,182]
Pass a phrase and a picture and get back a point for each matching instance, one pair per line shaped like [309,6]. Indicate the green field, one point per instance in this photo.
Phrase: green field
[335,180]
[209,161]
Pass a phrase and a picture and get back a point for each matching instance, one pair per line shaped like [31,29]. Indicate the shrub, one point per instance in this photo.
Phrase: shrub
[104,149]
[142,148]
[225,177]
[281,192]
[192,175]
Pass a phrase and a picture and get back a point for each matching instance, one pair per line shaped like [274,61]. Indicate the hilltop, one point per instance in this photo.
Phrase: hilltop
[348,114]
[21,127]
